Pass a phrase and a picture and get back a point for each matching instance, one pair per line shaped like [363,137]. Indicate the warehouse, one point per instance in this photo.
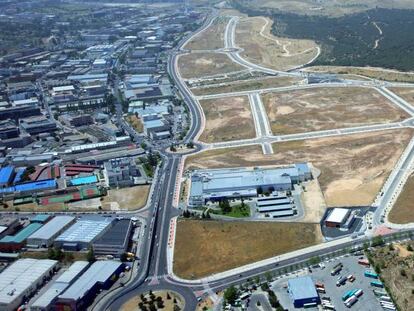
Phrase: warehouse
[6,176]
[101,275]
[217,184]
[114,241]
[21,279]
[81,235]
[13,243]
[44,236]
[337,217]
[302,291]
[46,300]
[8,225]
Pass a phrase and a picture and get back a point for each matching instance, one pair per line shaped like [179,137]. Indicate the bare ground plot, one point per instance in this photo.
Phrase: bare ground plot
[136,123]
[210,39]
[327,108]
[405,93]
[227,119]
[130,198]
[261,47]
[313,202]
[397,264]
[353,168]
[370,72]
[248,85]
[197,65]
[403,209]
[217,246]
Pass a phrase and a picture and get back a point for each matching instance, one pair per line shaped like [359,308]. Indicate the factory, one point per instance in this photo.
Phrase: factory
[21,279]
[81,234]
[275,205]
[114,241]
[45,236]
[13,243]
[217,184]
[46,301]
[302,291]
[101,275]
[340,218]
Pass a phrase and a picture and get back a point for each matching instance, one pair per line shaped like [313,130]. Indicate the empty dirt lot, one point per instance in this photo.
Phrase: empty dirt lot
[227,119]
[353,168]
[198,65]
[210,39]
[405,93]
[261,47]
[247,85]
[328,108]
[403,210]
[217,246]
[130,198]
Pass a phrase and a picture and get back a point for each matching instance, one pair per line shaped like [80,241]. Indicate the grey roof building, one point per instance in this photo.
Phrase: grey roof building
[217,184]
[21,279]
[45,235]
[114,241]
[122,172]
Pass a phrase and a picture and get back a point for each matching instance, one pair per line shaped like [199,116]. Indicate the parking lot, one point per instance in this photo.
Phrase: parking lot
[367,302]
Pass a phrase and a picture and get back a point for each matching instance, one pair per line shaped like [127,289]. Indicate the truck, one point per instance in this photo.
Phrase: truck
[359,293]
[377,284]
[370,274]
[328,306]
[350,301]
[341,281]
[321,290]
[336,269]
[385,298]
[364,262]
[379,292]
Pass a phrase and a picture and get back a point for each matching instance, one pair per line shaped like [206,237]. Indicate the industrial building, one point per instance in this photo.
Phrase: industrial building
[275,205]
[46,301]
[12,243]
[302,291]
[45,236]
[114,241]
[217,184]
[8,225]
[81,234]
[340,217]
[21,279]
[101,275]
[123,172]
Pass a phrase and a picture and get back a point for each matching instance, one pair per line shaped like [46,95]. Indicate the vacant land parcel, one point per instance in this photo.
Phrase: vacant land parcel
[406,93]
[217,246]
[261,47]
[210,39]
[328,108]
[227,119]
[403,210]
[353,168]
[197,65]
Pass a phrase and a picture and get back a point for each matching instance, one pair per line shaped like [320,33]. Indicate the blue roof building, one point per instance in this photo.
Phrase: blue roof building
[302,291]
[6,176]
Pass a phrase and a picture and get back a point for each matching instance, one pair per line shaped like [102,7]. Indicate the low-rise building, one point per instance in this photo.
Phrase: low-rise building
[123,172]
[12,243]
[115,241]
[21,279]
[37,125]
[45,236]
[302,291]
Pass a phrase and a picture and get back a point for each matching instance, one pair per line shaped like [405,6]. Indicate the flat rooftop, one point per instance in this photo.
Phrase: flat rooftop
[117,235]
[84,230]
[52,227]
[338,215]
[302,288]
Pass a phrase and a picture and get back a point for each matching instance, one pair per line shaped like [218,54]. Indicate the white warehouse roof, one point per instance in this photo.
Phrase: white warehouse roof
[338,215]
[20,276]
[51,228]
[84,230]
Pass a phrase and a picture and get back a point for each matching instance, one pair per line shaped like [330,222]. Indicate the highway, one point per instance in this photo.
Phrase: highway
[154,273]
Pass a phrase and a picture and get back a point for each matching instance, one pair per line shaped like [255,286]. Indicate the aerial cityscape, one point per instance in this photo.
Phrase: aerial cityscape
[206,155]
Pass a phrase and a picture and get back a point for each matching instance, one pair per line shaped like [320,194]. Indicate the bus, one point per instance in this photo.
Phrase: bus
[348,294]
[377,284]
[370,274]
[350,301]
[364,262]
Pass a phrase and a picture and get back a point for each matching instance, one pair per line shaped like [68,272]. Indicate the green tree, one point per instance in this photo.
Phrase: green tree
[377,241]
[225,206]
[90,256]
[231,294]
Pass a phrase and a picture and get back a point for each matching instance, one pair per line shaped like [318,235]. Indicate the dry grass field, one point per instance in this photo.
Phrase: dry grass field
[405,93]
[328,108]
[403,210]
[370,72]
[246,85]
[197,65]
[227,119]
[130,198]
[261,47]
[353,168]
[210,39]
[217,246]
[397,264]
